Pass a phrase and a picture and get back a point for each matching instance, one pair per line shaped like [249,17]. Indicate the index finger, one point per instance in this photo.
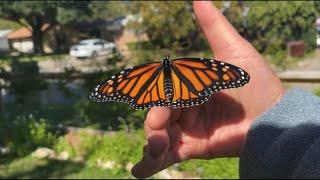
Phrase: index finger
[157,125]
[158,118]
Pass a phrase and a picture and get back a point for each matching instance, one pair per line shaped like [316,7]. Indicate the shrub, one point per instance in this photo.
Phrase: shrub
[122,147]
[317,92]
[24,134]
[112,115]
[63,145]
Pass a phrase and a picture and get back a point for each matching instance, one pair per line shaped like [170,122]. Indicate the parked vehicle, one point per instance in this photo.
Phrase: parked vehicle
[92,48]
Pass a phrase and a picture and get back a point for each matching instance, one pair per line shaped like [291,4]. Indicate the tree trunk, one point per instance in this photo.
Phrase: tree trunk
[36,23]
[61,40]
[37,39]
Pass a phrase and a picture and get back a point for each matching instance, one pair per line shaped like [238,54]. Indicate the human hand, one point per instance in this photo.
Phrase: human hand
[217,128]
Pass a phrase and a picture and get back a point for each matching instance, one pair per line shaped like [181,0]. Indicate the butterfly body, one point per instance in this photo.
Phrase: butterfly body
[177,83]
[168,89]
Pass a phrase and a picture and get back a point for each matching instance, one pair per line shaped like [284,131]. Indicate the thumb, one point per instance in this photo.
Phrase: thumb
[218,31]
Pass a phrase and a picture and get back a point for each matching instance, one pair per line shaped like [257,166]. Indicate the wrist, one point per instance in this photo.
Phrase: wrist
[248,123]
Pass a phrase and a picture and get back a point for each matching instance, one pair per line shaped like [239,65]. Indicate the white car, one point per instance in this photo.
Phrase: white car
[92,48]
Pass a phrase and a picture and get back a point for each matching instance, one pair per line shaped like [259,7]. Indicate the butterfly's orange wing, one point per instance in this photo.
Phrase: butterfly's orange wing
[195,79]
[141,87]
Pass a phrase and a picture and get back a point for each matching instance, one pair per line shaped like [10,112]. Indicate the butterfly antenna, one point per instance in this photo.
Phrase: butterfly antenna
[183,43]
[180,45]
[167,52]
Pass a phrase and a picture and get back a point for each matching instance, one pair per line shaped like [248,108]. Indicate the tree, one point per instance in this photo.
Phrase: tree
[270,25]
[111,9]
[167,24]
[34,14]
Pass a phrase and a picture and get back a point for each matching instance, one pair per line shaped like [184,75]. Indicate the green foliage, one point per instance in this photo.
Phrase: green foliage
[143,52]
[87,144]
[54,113]
[30,70]
[270,25]
[33,168]
[122,147]
[6,24]
[82,112]
[24,134]
[45,11]
[62,144]
[140,55]
[110,115]
[36,14]
[71,12]
[167,24]
[279,58]
[317,91]
[110,9]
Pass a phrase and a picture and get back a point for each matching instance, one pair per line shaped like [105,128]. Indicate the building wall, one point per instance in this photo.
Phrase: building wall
[22,45]
[4,44]
[128,36]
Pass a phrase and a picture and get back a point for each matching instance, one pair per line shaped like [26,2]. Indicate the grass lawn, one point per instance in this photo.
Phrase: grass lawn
[29,167]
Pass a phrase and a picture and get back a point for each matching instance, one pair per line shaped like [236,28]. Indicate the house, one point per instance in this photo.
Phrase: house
[128,35]
[4,42]
[55,39]
[59,38]
[115,30]
[21,39]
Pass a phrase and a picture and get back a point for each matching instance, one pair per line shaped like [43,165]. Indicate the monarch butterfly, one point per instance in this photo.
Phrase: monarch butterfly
[178,83]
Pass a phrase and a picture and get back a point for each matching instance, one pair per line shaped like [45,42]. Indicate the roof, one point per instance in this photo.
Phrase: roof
[4,32]
[24,32]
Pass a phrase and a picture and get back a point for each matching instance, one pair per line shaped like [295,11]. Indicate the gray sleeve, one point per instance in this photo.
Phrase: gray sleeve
[284,142]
